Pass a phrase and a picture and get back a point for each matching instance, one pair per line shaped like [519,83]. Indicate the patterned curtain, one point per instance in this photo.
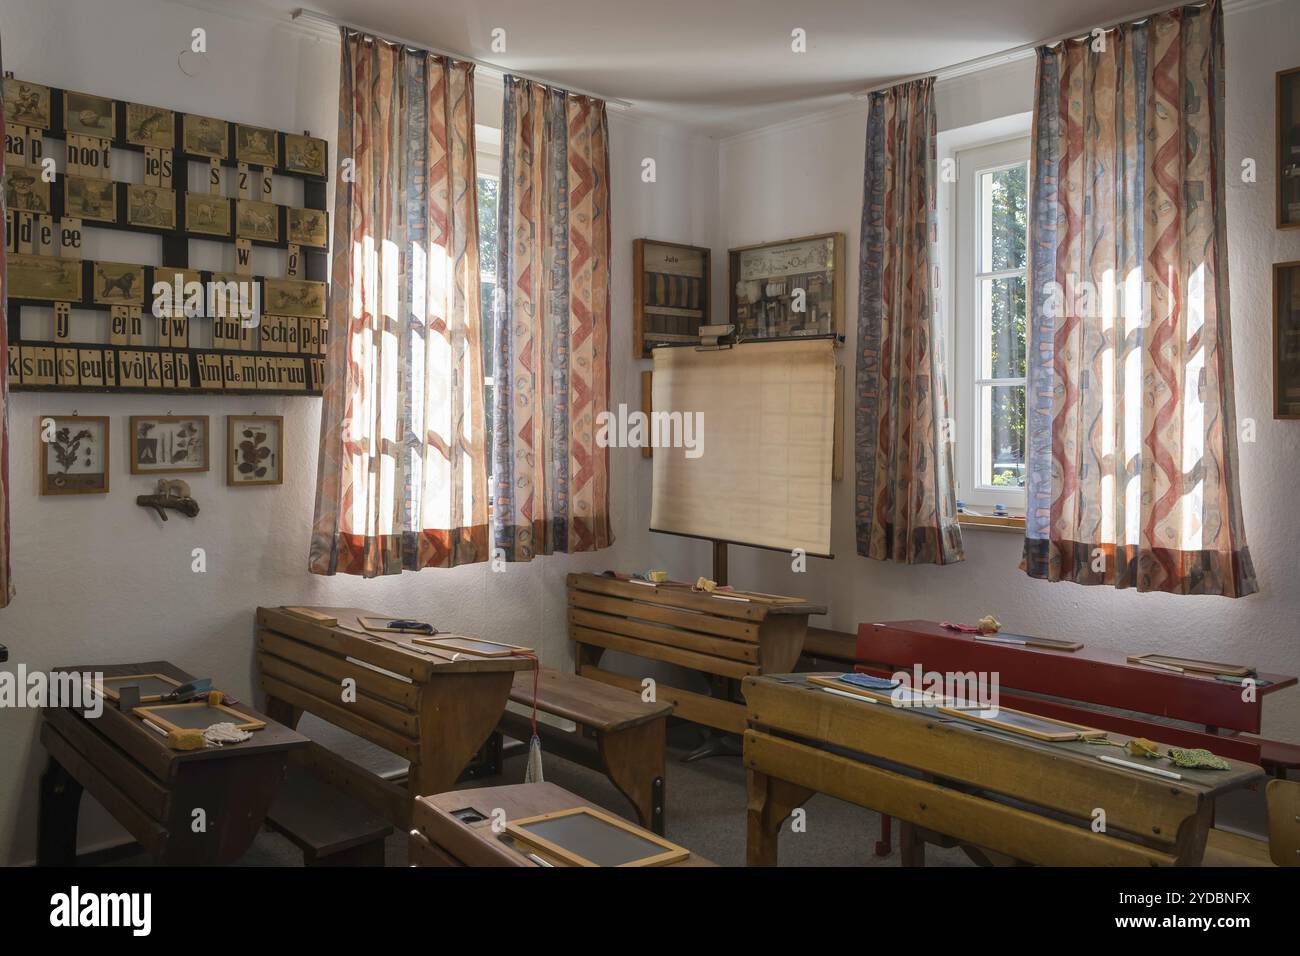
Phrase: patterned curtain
[906,502]
[6,580]
[402,481]
[550,369]
[1131,426]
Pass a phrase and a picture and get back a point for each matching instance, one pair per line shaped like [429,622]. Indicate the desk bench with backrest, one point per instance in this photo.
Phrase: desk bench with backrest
[723,637]
[1076,685]
[629,734]
[1002,796]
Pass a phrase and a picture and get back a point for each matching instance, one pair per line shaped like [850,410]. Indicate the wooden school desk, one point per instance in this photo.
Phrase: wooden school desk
[723,638]
[1085,679]
[439,838]
[1023,799]
[151,789]
[430,707]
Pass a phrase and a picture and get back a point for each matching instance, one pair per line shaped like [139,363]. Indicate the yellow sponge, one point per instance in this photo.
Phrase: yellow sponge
[186,740]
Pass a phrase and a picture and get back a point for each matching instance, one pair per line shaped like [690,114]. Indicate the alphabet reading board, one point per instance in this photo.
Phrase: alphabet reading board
[189,342]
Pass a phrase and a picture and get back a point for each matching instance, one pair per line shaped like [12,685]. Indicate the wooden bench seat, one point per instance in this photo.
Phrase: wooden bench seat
[822,644]
[330,827]
[629,734]
[1225,848]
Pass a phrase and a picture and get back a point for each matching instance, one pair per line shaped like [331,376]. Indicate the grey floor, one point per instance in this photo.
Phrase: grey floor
[705,812]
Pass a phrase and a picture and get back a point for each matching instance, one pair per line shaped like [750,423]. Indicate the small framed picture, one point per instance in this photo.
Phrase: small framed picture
[93,199]
[1286,340]
[168,443]
[73,452]
[257,220]
[150,126]
[207,215]
[89,115]
[304,154]
[1288,149]
[27,104]
[118,283]
[256,146]
[26,191]
[670,294]
[254,449]
[307,227]
[151,206]
[294,297]
[204,136]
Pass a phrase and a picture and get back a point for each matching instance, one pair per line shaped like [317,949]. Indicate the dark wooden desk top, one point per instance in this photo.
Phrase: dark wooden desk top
[518,800]
[150,748]
[773,699]
[392,652]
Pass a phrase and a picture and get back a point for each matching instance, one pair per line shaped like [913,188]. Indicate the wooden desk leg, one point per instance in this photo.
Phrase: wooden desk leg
[885,845]
[457,713]
[770,802]
[634,760]
[1189,845]
[56,817]
[911,848]
[282,712]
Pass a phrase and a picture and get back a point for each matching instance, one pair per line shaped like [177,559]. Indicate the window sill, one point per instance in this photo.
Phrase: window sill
[992,522]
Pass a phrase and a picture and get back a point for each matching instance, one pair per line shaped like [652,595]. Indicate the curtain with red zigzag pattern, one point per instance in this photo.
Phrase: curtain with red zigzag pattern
[1130,419]
[551,364]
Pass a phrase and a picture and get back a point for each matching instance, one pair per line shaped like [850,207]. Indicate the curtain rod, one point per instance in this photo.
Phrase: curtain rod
[302,13]
[968,66]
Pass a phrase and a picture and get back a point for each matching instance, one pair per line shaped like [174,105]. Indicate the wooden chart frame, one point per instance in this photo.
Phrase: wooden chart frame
[516,828]
[241,720]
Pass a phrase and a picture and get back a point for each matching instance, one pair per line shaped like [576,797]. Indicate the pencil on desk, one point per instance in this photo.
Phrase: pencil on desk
[845,693]
[1163,667]
[1158,771]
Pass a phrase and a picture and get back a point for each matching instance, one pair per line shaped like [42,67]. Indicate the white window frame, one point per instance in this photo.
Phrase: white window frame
[487,160]
[970,448]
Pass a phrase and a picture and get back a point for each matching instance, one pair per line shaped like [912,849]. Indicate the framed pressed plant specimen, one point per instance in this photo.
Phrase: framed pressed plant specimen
[168,443]
[73,454]
[254,449]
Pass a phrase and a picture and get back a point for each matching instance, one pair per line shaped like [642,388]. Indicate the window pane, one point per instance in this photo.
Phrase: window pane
[487,225]
[487,260]
[1003,208]
[1003,455]
[1002,327]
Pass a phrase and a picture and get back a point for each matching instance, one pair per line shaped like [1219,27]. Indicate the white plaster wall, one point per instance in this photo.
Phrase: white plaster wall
[101,580]
[806,177]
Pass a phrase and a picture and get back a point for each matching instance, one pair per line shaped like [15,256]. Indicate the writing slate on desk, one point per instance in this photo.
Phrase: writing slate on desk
[585,836]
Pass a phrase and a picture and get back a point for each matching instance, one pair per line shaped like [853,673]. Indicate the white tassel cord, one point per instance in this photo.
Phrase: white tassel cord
[533,771]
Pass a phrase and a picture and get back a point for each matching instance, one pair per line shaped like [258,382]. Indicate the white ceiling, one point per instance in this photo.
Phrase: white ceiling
[722,66]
